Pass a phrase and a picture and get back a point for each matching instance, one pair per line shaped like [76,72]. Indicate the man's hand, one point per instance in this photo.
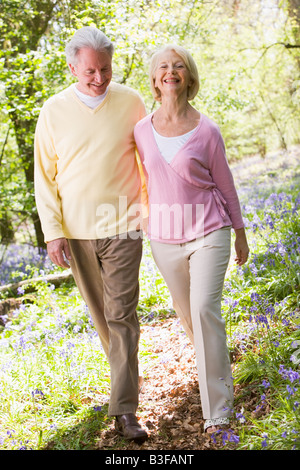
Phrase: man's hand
[59,252]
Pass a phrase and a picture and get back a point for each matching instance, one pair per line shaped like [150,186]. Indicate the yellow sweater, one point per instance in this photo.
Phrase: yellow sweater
[87,179]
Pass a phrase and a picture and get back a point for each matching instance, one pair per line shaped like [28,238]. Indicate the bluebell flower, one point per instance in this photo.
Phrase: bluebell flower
[291,390]
[234,438]
[37,393]
[264,442]
[97,408]
[240,417]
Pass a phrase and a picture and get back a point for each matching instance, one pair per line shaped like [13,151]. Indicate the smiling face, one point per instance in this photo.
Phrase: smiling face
[172,75]
[93,69]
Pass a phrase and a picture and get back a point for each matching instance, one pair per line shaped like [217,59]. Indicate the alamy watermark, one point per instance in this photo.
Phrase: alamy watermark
[168,222]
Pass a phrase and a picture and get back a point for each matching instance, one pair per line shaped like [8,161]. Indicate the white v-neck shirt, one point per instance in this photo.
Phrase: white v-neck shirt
[169,146]
[90,101]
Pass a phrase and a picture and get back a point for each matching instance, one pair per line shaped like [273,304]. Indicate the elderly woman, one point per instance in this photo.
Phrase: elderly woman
[193,205]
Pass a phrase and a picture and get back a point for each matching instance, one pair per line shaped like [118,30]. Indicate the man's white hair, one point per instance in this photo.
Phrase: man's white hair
[88,36]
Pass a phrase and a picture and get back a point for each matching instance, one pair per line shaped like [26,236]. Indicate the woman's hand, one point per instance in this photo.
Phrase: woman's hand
[241,247]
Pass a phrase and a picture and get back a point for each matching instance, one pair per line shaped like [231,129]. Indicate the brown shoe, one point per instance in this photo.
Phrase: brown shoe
[128,427]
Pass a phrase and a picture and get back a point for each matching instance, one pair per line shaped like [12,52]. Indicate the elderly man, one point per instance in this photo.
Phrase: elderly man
[88,193]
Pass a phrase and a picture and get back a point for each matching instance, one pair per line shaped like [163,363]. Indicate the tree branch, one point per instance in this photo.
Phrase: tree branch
[30,284]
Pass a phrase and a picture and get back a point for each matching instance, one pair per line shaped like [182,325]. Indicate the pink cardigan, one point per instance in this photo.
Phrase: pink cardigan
[192,195]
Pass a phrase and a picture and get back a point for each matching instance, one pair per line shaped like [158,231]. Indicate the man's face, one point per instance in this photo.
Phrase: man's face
[93,71]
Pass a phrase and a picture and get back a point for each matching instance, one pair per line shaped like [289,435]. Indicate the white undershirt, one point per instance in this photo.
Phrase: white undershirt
[90,101]
[169,146]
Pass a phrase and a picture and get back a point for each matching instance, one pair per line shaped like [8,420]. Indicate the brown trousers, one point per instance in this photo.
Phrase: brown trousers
[106,273]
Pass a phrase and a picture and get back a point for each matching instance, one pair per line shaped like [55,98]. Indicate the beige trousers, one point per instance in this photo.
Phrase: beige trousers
[106,273]
[194,273]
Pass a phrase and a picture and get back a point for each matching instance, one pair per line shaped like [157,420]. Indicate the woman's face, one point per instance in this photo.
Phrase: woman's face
[172,76]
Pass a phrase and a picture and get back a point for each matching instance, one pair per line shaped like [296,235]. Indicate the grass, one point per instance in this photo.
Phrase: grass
[54,377]
[50,370]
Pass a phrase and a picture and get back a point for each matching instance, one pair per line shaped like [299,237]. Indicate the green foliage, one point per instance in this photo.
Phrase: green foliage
[249,65]
[249,73]
[261,307]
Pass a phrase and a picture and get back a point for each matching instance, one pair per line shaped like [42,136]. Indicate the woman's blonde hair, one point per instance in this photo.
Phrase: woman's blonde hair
[189,63]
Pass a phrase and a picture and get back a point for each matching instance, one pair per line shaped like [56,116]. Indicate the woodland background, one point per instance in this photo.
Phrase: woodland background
[248,54]
[54,375]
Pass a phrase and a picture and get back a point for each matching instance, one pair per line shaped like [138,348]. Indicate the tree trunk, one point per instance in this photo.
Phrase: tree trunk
[6,229]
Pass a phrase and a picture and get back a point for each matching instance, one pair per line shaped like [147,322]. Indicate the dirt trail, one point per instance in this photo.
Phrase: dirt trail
[170,407]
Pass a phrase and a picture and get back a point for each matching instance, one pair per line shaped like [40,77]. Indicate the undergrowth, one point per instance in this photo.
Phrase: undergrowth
[54,376]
